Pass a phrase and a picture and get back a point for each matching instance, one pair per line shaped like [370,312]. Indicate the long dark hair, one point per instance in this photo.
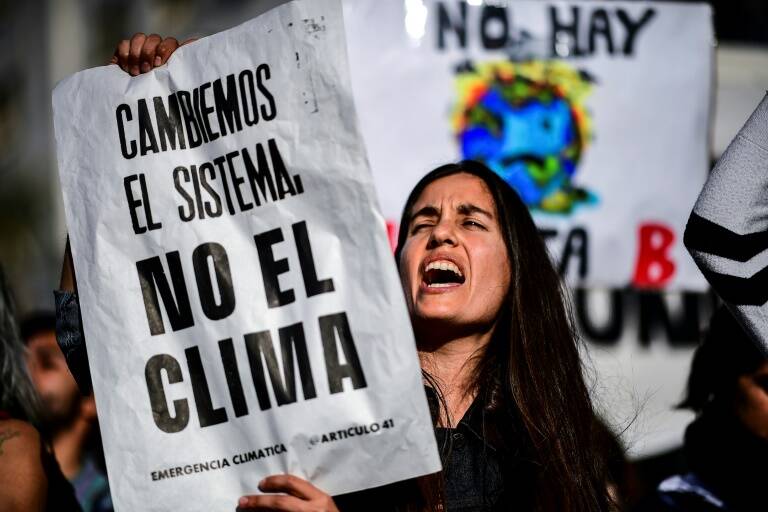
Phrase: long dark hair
[17,394]
[531,369]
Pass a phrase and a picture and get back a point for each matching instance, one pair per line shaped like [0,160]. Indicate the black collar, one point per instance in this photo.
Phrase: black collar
[475,422]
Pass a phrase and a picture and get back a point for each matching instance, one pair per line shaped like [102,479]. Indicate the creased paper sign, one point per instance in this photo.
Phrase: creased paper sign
[239,298]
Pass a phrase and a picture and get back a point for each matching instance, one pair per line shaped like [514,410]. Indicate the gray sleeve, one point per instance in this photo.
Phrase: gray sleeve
[69,335]
[727,233]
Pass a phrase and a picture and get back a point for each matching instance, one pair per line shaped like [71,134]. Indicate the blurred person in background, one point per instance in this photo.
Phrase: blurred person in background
[726,446]
[68,416]
[727,236]
[30,478]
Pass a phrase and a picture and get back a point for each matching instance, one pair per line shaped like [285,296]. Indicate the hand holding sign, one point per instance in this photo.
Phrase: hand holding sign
[142,53]
[298,496]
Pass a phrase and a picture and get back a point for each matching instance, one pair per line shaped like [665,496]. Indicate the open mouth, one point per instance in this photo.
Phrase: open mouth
[442,274]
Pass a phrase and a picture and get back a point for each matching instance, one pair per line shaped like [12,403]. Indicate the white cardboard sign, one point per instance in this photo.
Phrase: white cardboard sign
[239,298]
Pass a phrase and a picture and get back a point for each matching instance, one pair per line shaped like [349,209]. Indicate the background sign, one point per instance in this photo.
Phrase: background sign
[243,314]
[596,112]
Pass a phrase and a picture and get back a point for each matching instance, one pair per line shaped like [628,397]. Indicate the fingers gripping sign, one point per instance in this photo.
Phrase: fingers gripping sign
[141,53]
[165,49]
[120,56]
[134,53]
[297,495]
[147,57]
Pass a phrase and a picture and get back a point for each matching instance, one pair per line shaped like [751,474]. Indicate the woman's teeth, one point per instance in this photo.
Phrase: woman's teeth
[444,265]
[442,274]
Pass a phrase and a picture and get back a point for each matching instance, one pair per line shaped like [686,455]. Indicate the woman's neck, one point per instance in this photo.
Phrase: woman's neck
[68,446]
[451,364]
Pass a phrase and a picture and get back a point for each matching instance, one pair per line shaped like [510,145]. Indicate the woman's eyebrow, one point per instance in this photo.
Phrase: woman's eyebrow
[427,211]
[469,209]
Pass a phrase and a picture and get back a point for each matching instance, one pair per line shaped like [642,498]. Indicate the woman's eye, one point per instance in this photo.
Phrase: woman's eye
[473,224]
[418,227]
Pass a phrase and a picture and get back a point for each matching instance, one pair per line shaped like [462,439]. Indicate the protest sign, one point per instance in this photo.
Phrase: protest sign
[596,112]
[241,306]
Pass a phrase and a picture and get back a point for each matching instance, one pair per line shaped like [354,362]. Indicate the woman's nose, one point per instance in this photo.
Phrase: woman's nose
[442,234]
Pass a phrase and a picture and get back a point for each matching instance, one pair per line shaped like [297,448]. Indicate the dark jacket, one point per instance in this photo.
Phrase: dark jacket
[727,469]
[485,469]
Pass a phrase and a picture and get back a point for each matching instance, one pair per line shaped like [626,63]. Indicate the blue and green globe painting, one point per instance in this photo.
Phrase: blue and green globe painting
[527,121]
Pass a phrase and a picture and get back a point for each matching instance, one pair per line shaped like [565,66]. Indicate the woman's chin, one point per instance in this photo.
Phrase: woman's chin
[436,317]
[438,310]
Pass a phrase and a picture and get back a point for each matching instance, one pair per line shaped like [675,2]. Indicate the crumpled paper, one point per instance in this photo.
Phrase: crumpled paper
[241,307]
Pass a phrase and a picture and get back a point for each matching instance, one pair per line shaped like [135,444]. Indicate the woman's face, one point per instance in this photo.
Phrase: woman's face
[454,264]
[752,401]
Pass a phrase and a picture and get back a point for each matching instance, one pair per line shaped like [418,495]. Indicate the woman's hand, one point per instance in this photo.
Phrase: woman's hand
[142,53]
[298,496]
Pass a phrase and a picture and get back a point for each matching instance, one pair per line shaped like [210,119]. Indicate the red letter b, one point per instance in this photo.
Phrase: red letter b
[654,267]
